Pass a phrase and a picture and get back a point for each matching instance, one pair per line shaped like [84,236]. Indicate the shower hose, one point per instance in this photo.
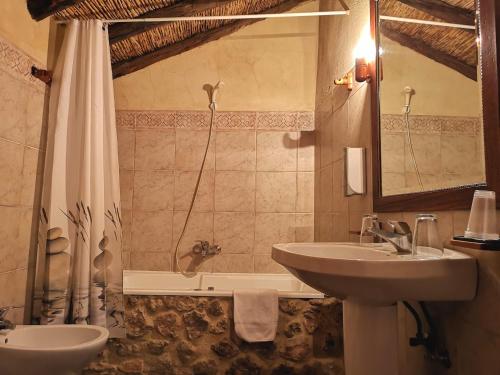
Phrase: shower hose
[178,267]
[406,117]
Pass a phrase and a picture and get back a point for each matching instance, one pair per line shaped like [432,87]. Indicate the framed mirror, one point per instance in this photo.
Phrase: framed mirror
[435,103]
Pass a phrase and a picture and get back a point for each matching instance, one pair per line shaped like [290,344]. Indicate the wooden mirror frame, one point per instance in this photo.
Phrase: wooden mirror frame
[458,198]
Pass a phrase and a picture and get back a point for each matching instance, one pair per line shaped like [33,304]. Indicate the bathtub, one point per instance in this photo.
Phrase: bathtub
[212,284]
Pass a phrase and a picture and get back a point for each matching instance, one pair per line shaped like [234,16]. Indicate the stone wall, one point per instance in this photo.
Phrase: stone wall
[195,335]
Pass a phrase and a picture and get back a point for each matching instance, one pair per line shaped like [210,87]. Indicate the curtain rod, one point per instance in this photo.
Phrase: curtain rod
[425,22]
[230,17]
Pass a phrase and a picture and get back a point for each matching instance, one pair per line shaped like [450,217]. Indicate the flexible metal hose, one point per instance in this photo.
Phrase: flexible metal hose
[406,117]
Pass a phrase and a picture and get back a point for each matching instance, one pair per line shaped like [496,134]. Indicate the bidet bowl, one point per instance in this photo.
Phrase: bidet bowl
[51,349]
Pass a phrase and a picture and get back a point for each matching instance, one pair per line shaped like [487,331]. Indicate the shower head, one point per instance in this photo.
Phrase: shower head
[409,92]
[212,91]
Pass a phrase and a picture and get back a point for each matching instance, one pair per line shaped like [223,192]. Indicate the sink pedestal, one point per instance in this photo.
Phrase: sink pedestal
[370,338]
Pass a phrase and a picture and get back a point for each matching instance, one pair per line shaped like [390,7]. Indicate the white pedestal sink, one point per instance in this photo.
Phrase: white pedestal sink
[371,278]
[50,350]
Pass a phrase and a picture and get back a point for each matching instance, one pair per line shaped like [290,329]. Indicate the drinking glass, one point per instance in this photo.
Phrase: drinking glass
[426,239]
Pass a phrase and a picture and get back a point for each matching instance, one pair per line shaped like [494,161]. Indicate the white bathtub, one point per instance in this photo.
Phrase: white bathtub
[212,284]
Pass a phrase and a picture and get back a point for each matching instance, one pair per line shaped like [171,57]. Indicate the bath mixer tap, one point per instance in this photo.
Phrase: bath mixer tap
[204,249]
[399,235]
[4,323]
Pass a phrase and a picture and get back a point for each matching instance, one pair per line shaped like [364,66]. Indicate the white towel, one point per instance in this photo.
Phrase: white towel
[256,314]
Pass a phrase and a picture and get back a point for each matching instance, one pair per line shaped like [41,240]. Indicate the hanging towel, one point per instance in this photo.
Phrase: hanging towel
[256,314]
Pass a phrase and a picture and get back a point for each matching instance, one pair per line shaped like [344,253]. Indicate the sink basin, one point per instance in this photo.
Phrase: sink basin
[50,350]
[370,279]
[375,273]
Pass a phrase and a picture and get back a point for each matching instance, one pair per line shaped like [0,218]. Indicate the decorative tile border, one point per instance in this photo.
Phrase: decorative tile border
[286,121]
[421,124]
[18,63]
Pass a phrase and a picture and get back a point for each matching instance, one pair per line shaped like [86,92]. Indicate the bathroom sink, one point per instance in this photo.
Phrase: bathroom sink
[375,273]
[50,350]
[370,279]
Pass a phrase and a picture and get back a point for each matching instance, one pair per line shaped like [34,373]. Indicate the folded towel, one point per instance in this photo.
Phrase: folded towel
[256,314]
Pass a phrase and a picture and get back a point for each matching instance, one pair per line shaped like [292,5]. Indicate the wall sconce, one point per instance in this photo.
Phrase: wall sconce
[346,80]
[364,56]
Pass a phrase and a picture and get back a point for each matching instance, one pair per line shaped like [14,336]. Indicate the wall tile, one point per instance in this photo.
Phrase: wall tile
[152,231]
[305,155]
[276,191]
[393,155]
[185,183]
[11,169]
[126,188]
[239,263]
[30,170]
[155,149]
[13,108]
[200,227]
[305,192]
[304,228]
[15,224]
[127,229]
[277,151]
[428,154]
[235,150]
[153,190]
[273,228]
[126,148]
[326,189]
[326,142]
[190,147]
[340,131]
[339,201]
[34,118]
[265,264]
[13,286]
[234,191]
[146,261]
[234,231]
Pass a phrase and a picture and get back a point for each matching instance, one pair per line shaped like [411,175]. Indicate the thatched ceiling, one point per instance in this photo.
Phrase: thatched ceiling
[456,48]
[137,45]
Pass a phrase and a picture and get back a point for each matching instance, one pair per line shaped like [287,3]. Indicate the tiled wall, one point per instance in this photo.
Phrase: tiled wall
[257,188]
[448,150]
[470,330]
[21,155]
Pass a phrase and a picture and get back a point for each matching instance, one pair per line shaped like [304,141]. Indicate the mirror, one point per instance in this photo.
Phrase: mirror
[431,131]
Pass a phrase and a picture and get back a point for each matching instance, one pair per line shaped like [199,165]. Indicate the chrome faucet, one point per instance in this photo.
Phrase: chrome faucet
[204,249]
[398,233]
[4,323]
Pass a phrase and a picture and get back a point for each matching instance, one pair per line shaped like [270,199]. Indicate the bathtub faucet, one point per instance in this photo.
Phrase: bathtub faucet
[204,249]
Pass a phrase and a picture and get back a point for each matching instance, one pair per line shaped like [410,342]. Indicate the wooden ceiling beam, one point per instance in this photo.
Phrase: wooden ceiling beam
[439,56]
[444,11]
[185,8]
[40,9]
[133,64]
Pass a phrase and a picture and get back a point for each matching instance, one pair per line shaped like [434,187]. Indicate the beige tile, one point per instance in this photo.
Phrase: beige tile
[428,154]
[393,152]
[126,260]
[126,229]
[276,191]
[326,189]
[277,151]
[235,150]
[13,108]
[126,148]
[340,132]
[13,286]
[155,149]
[234,231]
[326,142]
[265,264]
[239,263]
[305,156]
[339,200]
[272,228]
[15,234]
[146,261]
[326,227]
[126,188]
[340,227]
[305,192]
[359,129]
[153,190]
[35,118]
[11,172]
[185,183]
[235,191]
[190,147]
[396,183]
[458,154]
[152,231]
[304,228]
[30,169]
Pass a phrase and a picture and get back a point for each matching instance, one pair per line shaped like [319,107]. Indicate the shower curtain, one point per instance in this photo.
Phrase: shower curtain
[79,273]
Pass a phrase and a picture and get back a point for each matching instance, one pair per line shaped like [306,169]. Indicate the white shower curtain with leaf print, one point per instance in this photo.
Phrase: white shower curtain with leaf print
[79,275]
